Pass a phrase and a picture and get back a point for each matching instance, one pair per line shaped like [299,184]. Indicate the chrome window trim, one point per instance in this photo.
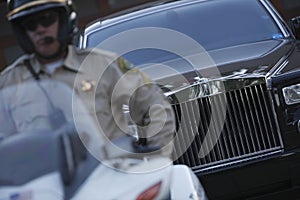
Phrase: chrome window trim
[276,17]
[134,15]
[151,10]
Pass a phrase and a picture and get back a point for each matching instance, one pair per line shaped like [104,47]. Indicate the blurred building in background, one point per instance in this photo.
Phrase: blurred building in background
[89,10]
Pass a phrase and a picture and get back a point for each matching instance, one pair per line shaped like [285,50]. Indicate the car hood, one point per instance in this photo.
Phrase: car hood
[257,59]
[260,58]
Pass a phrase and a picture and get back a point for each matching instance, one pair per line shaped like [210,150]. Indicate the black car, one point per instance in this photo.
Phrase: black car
[231,70]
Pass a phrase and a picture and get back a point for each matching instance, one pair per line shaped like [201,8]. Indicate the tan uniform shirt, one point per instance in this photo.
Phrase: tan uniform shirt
[106,83]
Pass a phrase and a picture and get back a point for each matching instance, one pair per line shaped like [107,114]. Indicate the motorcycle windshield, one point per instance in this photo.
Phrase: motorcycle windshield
[45,130]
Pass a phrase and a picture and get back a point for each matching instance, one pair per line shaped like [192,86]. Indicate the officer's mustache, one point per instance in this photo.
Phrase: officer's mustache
[49,40]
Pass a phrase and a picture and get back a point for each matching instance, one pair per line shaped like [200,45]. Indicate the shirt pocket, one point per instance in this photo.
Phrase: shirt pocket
[29,116]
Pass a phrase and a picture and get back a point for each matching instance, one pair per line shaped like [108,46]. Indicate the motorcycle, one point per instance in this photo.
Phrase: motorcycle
[51,149]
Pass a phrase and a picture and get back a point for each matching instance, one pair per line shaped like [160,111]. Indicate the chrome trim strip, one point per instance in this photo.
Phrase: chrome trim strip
[243,160]
[92,28]
[276,118]
[151,10]
[249,95]
[203,127]
[277,18]
[80,42]
[259,125]
[251,140]
[274,69]
[239,114]
[235,134]
[264,121]
[222,103]
[280,65]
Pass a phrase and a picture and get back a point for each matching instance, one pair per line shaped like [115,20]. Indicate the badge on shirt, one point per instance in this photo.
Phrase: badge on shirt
[87,85]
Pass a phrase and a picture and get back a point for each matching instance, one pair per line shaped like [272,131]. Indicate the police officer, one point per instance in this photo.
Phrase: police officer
[105,81]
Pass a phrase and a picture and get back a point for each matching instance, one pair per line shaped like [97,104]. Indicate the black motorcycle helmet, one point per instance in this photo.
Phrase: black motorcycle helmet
[18,9]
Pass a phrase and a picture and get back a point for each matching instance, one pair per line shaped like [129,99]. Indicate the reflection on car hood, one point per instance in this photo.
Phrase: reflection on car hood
[252,59]
[248,60]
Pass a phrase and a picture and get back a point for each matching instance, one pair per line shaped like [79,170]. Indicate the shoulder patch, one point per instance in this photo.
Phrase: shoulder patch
[124,65]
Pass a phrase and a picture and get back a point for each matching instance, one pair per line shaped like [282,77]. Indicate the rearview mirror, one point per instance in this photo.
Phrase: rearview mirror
[295,26]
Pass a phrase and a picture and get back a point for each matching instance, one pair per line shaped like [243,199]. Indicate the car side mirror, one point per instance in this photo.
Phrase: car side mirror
[295,26]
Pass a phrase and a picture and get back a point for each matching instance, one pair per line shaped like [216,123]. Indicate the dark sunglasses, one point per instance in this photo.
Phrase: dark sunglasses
[45,19]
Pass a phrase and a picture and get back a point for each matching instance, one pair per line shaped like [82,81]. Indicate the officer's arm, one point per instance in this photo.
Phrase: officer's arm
[153,113]
[149,108]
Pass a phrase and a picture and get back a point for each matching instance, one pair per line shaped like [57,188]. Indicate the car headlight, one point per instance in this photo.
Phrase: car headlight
[291,94]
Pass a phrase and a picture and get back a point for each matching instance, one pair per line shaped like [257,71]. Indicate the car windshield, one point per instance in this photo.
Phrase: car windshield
[213,24]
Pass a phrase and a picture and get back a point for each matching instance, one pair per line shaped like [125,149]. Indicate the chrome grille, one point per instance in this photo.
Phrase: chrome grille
[244,125]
